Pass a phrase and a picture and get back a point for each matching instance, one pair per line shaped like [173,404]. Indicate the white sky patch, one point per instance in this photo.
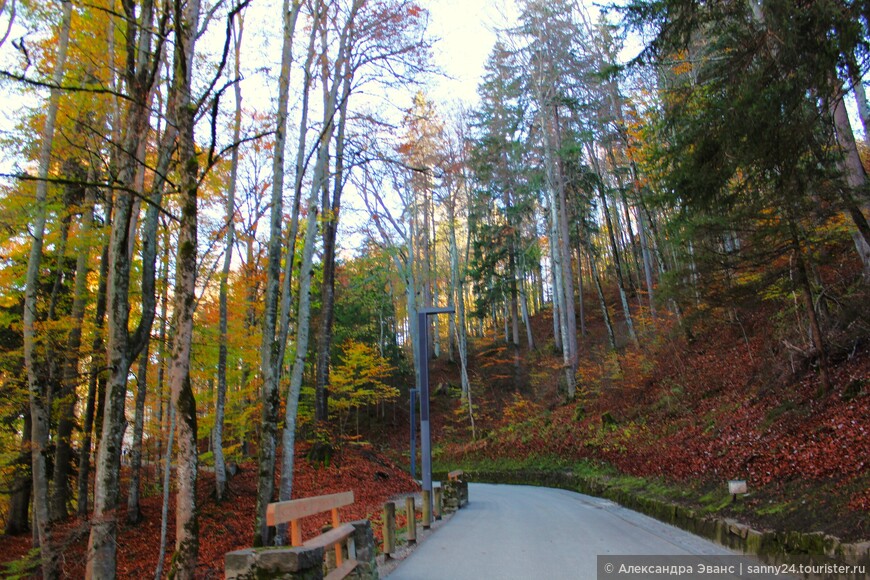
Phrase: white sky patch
[466,33]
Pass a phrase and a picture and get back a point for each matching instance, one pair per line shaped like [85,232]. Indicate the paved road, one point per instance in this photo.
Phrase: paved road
[510,531]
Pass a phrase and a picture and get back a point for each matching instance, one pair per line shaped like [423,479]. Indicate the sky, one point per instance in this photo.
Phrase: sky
[465,29]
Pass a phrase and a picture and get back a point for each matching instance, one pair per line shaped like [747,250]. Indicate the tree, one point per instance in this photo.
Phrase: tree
[271,348]
[501,168]
[358,381]
[123,346]
[39,407]
[219,463]
[755,170]
[385,45]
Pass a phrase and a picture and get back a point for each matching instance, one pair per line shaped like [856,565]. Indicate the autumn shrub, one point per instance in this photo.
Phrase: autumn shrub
[519,410]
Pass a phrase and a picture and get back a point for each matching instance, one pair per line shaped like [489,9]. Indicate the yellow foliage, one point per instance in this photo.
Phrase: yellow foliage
[358,380]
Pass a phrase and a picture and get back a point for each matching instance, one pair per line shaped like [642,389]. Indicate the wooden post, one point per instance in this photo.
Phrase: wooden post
[389,529]
[411,524]
[436,506]
[295,533]
[336,522]
[427,509]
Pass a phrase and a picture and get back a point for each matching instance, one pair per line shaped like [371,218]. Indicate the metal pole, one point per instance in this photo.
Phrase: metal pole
[425,437]
[413,434]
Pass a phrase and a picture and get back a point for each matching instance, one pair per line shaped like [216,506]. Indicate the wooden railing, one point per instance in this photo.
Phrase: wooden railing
[308,559]
[340,535]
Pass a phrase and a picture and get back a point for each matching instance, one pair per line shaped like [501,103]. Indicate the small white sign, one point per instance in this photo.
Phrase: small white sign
[736,486]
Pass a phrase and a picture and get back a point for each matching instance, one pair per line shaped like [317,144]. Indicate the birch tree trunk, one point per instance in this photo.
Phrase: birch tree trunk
[39,411]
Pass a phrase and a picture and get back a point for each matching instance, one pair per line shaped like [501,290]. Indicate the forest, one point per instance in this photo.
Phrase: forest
[217,227]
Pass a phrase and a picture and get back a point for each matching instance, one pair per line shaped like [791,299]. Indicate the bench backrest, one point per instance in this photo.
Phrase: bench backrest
[294,510]
[287,511]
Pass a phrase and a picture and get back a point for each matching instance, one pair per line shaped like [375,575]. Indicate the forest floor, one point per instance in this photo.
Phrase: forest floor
[228,525]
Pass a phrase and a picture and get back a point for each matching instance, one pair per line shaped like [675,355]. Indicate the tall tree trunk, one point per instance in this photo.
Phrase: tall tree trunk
[331,209]
[123,346]
[647,263]
[436,322]
[560,257]
[860,99]
[856,178]
[220,470]
[457,285]
[802,280]
[162,338]
[301,161]
[605,312]
[270,364]
[134,513]
[39,411]
[617,262]
[303,318]
[95,379]
[580,297]
[66,421]
[167,474]
[514,297]
[186,522]
[58,399]
[18,511]
[524,308]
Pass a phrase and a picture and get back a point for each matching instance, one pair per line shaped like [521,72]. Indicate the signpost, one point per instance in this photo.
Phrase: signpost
[425,436]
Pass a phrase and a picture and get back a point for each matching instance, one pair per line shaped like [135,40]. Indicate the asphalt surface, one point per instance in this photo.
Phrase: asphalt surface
[520,532]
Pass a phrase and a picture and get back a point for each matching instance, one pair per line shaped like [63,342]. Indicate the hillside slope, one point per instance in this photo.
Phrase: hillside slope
[685,415]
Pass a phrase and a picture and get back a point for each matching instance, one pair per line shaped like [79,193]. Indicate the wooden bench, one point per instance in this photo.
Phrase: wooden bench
[294,510]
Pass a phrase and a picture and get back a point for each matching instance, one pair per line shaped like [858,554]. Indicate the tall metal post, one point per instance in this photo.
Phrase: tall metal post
[413,433]
[425,436]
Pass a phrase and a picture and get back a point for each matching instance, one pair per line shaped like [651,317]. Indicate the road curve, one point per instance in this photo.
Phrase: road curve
[521,532]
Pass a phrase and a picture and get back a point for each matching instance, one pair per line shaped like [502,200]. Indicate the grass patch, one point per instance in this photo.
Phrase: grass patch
[774,509]
[715,501]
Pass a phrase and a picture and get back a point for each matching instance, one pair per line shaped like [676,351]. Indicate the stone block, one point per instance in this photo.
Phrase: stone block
[366,551]
[274,562]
